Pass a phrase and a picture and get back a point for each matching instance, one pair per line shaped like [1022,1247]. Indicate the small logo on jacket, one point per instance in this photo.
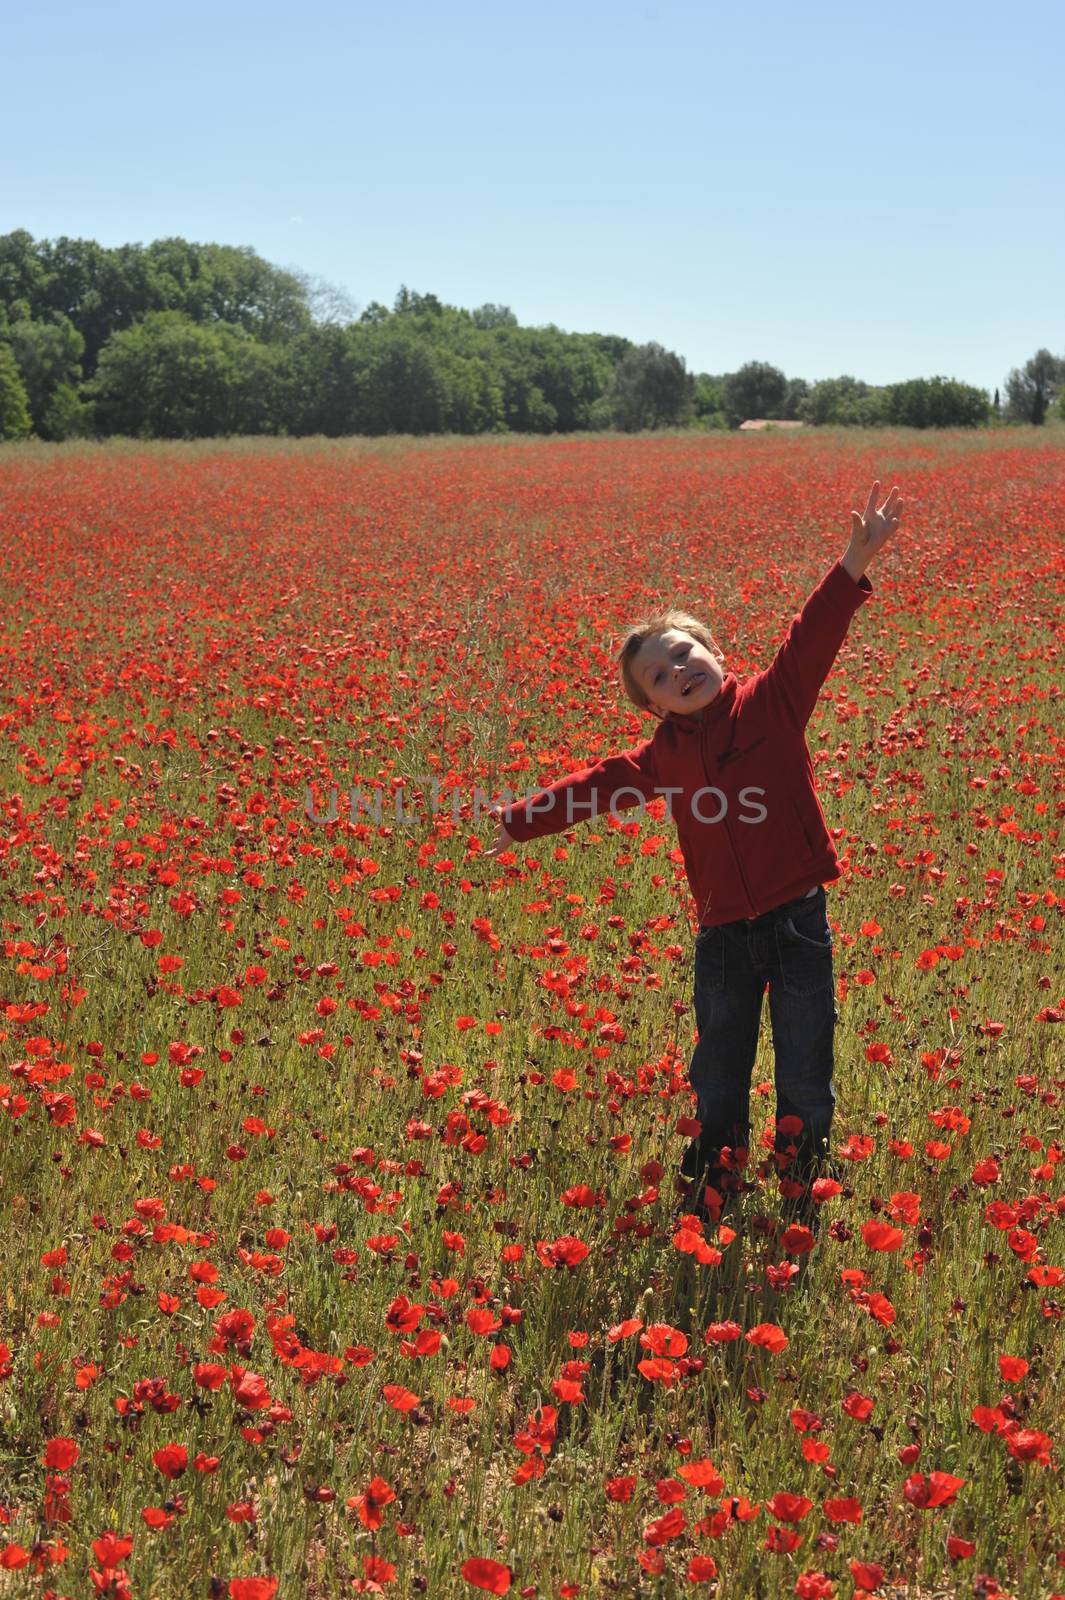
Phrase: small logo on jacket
[735,751]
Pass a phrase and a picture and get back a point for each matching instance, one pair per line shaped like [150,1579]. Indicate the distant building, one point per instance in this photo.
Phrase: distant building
[767,422]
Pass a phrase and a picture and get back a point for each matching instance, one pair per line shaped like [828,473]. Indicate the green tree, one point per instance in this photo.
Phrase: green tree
[423,308]
[708,402]
[48,354]
[22,276]
[651,389]
[516,361]
[472,389]
[398,384]
[1032,389]
[491,316]
[756,390]
[171,378]
[14,410]
[83,282]
[569,372]
[795,393]
[611,345]
[104,291]
[842,401]
[933,403]
[228,283]
[67,415]
[316,383]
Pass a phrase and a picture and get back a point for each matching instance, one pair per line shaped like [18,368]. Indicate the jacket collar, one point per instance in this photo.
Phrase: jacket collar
[690,722]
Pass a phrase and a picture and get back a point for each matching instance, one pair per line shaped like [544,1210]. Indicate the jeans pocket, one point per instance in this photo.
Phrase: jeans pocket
[805,948]
[710,960]
[807,920]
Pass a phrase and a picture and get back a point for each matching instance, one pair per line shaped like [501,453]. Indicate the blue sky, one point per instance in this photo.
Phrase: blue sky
[876,190]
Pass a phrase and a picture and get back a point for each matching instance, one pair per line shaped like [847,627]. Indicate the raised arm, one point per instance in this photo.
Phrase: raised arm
[792,682]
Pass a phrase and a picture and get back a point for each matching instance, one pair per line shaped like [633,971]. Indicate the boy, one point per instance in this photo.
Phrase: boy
[733,764]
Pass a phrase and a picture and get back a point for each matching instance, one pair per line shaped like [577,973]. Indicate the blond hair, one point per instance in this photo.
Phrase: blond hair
[650,628]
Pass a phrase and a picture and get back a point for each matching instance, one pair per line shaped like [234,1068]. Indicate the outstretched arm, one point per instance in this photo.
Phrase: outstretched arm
[792,682]
[612,785]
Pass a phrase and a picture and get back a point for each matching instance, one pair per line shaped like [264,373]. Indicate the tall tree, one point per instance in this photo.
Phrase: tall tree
[1031,389]
[172,378]
[756,390]
[316,383]
[492,316]
[933,403]
[795,393]
[652,388]
[14,411]
[842,401]
[22,276]
[399,387]
[49,354]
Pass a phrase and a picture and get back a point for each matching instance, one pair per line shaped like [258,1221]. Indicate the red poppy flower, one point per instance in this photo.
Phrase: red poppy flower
[171,1460]
[814,1586]
[657,1369]
[624,1330]
[722,1332]
[767,1336]
[399,1398]
[484,1573]
[111,1550]
[671,1526]
[252,1588]
[61,1452]
[881,1235]
[663,1340]
[371,1502]
[797,1240]
[938,1489]
[788,1507]
[702,1475]
[846,1509]
[1028,1444]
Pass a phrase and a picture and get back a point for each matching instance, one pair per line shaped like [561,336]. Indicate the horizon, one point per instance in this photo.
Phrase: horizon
[621,181]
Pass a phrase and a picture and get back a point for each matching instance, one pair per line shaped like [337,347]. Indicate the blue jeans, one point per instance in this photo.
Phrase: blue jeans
[790,949]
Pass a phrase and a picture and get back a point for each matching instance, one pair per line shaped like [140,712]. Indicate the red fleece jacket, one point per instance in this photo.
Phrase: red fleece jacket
[750,825]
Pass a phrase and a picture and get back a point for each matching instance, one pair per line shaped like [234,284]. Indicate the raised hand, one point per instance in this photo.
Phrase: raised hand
[869,534]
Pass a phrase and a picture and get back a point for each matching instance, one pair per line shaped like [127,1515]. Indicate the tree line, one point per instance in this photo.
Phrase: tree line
[178,340]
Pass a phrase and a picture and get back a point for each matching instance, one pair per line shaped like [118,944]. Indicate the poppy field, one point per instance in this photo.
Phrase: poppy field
[338,1165]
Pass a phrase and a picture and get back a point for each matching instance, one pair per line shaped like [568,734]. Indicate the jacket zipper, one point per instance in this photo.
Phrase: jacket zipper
[728,832]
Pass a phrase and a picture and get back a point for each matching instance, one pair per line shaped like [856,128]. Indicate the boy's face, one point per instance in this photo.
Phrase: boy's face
[677,673]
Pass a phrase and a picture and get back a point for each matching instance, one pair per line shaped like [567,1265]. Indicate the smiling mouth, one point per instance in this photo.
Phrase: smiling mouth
[691,683]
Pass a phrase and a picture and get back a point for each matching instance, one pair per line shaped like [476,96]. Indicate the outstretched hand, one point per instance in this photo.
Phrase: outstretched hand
[502,840]
[869,534]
